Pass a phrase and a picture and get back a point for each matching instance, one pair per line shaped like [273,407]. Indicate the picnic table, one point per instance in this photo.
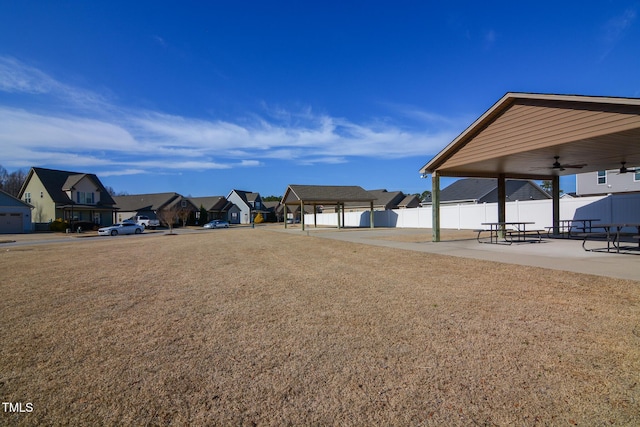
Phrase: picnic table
[612,233]
[507,232]
[566,225]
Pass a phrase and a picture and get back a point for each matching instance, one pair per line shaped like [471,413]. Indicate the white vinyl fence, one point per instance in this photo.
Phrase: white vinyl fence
[621,208]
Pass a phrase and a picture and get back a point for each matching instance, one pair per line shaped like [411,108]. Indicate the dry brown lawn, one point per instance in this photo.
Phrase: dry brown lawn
[256,327]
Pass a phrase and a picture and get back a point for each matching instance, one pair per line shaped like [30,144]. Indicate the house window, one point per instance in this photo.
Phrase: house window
[636,175]
[183,203]
[84,198]
[602,177]
[27,197]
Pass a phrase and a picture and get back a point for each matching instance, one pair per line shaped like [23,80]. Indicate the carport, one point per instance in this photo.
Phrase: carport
[332,195]
[540,137]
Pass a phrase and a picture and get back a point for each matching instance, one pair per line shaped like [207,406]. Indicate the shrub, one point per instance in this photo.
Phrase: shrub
[58,225]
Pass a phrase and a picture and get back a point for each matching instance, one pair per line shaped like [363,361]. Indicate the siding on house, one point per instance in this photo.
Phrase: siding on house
[247,203]
[587,184]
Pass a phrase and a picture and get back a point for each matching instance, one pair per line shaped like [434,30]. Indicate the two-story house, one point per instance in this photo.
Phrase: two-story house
[71,196]
[623,180]
[247,206]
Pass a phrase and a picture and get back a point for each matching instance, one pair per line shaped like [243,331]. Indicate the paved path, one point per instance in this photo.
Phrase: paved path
[557,254]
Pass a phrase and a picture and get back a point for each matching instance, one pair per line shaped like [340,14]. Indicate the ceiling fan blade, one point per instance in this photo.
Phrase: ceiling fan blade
[624,169]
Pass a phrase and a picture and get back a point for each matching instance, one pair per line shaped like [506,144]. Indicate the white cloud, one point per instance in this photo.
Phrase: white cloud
[45,131]
[614,29]
[125,141]
[17,77]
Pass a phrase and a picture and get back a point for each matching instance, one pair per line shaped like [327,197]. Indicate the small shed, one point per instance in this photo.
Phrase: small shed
[332,195]
[15,214]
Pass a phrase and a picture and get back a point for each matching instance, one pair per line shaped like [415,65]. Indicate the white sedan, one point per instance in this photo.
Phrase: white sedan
[124,228]
[216,223]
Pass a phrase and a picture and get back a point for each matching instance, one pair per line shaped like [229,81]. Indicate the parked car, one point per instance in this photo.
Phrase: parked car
[144,221]
[216,223]
[124,228]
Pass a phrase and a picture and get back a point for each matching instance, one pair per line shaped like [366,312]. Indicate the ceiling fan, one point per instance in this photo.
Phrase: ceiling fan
[624,169]
[558,166]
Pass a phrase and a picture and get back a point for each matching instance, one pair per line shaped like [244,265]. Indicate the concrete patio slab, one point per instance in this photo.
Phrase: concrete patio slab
[557,254]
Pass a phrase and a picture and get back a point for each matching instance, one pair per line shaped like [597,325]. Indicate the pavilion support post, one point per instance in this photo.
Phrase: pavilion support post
[555,193]
[285,215]
[338,213]
[302,214]
[371,216]
[343,223]
[435,206]
[315,220]
[502,202]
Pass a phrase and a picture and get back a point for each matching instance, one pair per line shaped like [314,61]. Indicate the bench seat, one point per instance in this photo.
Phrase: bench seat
[491,236]
[534,233]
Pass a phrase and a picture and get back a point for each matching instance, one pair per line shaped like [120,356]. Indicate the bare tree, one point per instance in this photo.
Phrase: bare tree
[4,175]
[183,214]
[12,182]
[168,216]
[113,192]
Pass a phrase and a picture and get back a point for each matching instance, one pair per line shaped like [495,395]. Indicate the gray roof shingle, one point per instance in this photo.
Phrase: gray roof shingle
[326,194]
[483,190]
[144,202]
[57,181]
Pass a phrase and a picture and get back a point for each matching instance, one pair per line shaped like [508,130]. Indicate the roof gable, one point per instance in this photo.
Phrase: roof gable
[383,198]
[410,201]
[56,182]
[520,135]
[211,203]
[7,199]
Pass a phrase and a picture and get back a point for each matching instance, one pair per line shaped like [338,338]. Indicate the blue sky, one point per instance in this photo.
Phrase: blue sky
[203,97]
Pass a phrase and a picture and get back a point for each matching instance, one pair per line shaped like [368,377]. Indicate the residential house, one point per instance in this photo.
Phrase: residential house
[71,196]
[150,204]
[484,190]
[385,200]
[293,212]
[275,209]
[217,207]
[247,206]
[15,214]
[410,201]
[625,180]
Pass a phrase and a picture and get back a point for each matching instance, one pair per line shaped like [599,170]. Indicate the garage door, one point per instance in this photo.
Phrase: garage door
[10,222]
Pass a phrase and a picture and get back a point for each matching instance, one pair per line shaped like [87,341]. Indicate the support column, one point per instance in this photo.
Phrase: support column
[555,193]
[315,220]
[502,201]
[343,224]
[302,214]
[338,213]
[285,215]
[371,216]
[435,206]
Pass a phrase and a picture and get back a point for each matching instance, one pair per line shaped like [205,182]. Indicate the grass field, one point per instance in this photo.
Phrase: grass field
[255,327]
